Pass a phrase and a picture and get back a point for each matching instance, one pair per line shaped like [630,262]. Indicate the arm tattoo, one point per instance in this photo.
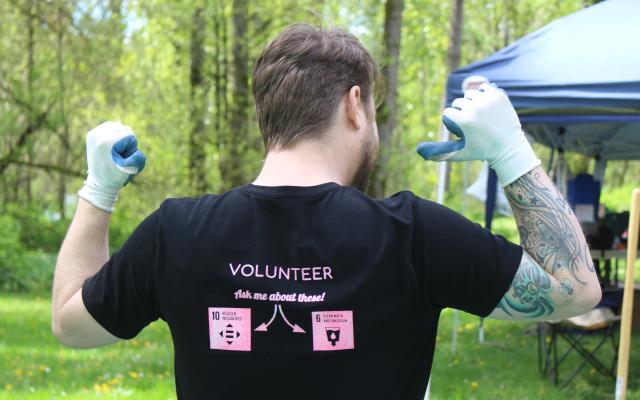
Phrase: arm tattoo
[548,230]
[530,292]
[557,256]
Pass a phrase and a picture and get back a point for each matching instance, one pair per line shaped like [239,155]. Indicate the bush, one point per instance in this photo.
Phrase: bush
[38,232]
[21,270]
[123,223]
[34,275]
[30,240]
[617,198]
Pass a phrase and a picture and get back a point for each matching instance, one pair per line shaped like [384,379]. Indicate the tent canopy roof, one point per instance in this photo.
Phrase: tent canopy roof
[575,82]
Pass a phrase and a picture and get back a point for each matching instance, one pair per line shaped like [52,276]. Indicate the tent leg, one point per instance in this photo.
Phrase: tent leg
[551,156]
[442,169]
[454,335]
[599,170]
[426,395]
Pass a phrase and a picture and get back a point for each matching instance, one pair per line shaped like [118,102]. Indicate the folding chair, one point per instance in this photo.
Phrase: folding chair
[583,194]
[585,335]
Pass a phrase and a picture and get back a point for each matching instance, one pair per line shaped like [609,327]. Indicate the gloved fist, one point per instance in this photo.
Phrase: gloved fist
[113,159]
[489,129]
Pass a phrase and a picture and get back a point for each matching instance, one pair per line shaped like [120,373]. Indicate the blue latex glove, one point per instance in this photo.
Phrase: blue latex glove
[113,159]
[489,129]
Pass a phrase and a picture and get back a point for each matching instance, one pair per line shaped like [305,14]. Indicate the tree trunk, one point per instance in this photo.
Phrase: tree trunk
[197,138]
[387,115]
[232,162]
[220,119]
[218,47]
[506,20]
[30,94]
[455,35]
[62,160]
[453,63]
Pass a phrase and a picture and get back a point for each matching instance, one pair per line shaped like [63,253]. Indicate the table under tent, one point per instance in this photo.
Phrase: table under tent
[575,84]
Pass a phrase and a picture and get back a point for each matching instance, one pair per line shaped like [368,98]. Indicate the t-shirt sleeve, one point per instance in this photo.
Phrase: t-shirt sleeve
[464,265]
[121,296]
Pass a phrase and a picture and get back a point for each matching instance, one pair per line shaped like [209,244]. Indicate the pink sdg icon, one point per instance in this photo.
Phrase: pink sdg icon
[332,330]
[230,328]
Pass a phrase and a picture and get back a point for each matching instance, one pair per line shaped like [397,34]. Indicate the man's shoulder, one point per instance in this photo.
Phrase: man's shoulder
[186,203]
[186,208]
[402,195]
[178,205]
[402,198]
[420,207]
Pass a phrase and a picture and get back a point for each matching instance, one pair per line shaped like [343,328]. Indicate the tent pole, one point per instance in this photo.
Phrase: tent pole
[454,333]
[463,209]
[627,301]
[599,169]
[550,163]
[442,176]
[442,169]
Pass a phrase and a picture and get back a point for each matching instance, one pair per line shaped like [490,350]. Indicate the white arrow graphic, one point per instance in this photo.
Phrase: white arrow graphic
[295,327]
[263,326]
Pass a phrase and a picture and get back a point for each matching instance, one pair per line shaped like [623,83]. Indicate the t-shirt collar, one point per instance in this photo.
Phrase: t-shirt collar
[290,191]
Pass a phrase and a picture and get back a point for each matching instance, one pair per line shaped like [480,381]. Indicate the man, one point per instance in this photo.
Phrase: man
[298,285]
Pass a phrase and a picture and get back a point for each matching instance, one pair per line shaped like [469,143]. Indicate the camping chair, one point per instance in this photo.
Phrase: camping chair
[602,324]
[583,194]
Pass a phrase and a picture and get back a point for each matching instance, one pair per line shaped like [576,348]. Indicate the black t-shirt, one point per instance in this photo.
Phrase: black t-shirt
[300,292]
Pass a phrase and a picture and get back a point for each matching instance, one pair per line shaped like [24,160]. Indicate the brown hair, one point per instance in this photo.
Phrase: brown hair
[300,78]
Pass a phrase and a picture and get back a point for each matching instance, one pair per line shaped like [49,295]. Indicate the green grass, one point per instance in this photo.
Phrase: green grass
[35,366]
[506,365]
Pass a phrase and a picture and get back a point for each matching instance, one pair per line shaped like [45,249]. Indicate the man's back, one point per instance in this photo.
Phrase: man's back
[314,290]
[311,292]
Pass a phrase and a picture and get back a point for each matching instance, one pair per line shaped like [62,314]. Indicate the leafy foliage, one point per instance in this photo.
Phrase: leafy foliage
[80,62]
[21,269]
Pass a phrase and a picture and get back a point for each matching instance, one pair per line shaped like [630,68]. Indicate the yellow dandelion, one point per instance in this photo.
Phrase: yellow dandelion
[474,385]
[133,374]
[9,387]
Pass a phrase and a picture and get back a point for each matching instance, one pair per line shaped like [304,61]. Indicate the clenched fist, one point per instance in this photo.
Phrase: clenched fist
[113,159]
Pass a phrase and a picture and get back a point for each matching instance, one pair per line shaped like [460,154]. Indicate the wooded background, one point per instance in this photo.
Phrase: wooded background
[179,74]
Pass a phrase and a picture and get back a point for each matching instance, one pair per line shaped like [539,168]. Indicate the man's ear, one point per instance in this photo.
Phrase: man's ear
[352,109]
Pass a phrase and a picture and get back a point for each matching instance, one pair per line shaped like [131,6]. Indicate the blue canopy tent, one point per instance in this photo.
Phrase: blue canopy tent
[575,83]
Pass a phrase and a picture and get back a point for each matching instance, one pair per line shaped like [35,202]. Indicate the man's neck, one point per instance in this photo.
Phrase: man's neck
[304,165]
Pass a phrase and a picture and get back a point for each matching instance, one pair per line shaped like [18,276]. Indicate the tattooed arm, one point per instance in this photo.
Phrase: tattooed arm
[556,278]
